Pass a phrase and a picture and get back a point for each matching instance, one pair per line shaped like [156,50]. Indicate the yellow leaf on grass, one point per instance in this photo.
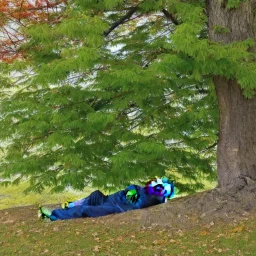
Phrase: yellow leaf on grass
[203,233]
[238,229]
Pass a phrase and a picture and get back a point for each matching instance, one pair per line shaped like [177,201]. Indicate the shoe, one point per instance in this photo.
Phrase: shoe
[44,212]
[65,205]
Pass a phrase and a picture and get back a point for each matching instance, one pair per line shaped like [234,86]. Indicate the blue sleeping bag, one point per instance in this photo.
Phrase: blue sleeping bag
[97,204]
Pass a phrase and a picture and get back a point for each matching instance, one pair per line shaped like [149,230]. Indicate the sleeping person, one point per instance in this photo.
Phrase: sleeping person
[97,204]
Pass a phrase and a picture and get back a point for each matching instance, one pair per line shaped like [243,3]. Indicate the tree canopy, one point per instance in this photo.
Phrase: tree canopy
[108,92]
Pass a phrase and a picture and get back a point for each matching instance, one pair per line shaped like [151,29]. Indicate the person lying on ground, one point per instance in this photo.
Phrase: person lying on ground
[97,204]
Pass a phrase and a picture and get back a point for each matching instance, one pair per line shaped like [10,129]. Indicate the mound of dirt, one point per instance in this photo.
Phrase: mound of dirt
[204,209]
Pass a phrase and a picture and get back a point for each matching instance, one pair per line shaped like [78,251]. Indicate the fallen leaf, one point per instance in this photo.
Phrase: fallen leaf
[96,248]
[97,239]
[203,233]
[238,229]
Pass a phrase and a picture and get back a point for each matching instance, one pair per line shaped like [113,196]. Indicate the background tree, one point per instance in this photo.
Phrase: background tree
[15,15]
[117,91]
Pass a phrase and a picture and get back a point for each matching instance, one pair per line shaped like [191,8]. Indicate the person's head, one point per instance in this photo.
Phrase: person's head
[160,187]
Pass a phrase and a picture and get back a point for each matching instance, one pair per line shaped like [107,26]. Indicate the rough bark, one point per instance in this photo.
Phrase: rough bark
[236,153]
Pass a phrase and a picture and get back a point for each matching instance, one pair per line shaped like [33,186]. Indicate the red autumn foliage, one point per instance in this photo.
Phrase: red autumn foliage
[17,14]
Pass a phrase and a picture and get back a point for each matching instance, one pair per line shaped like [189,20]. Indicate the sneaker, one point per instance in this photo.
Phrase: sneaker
[65,205]
[44,212]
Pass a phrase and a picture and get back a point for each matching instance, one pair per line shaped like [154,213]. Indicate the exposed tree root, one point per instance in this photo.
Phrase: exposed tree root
[205,208]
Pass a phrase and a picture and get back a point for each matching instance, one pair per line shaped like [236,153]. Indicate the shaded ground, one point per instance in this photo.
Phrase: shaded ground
[204,208]
[213,222]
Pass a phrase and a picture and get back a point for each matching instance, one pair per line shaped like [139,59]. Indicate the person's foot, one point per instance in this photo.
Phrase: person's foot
[44,212]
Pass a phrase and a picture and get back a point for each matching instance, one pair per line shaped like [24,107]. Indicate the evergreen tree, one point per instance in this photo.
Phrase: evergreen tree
[109,92]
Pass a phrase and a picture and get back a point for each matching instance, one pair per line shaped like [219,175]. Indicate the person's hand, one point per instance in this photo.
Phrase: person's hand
[132,196]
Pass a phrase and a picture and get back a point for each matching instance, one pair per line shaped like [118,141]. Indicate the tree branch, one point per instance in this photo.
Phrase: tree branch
[169,16]
[213,145]
[210,147]
[121,20]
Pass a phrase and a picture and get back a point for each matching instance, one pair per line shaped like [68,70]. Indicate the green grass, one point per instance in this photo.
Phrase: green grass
[97,237]
[13,196]
[22,233]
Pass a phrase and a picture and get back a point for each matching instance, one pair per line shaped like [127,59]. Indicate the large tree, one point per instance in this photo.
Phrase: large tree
[237,134]
[114,91]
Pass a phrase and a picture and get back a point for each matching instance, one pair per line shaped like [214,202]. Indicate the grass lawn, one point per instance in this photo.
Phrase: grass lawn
[13,196]
[21,233]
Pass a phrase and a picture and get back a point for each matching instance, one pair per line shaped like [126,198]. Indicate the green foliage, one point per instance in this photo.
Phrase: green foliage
[113,110]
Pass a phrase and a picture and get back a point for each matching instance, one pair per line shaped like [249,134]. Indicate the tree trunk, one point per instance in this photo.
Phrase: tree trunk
[236,153]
